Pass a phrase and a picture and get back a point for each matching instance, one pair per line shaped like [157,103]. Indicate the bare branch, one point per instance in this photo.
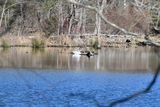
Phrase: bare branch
[103,17]
[3,11]
[13,5]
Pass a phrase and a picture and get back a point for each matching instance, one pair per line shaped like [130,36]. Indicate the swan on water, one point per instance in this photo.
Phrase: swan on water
[78,53]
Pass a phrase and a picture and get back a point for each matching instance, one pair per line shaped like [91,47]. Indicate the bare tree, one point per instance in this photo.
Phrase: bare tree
[72,13]
[2,14]
[83,16]
[103,17]
[101,5]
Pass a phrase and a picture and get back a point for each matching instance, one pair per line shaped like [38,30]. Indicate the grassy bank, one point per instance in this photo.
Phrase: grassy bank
[71,41]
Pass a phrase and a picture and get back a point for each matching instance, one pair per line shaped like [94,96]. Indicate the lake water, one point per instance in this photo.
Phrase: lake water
[54,78]
[108,59]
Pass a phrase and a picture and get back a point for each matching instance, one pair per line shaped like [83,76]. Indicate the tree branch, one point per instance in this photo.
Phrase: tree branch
[103,17]
[13,5]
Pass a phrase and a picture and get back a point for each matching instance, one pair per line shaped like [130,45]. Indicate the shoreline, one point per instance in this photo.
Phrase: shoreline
[74,41]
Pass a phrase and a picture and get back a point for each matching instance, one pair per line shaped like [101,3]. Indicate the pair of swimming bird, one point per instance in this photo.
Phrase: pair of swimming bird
[87,53]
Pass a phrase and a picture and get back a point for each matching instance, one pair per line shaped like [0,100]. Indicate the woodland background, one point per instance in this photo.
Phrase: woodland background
[60,17]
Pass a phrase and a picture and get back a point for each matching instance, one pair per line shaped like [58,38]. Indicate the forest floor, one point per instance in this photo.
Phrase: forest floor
[77,41]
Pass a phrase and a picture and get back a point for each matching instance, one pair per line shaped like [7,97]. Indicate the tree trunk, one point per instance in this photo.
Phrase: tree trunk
[71,18]
[3,11]
[103,17]
[100,5]
[61,20]
[84,21]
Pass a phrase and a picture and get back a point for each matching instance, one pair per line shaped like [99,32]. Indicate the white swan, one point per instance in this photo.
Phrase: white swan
[76,53]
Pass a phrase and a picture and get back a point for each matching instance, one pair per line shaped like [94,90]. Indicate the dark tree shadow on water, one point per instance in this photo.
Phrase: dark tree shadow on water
[144,91]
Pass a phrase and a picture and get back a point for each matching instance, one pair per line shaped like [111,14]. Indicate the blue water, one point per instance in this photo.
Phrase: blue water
[53,88]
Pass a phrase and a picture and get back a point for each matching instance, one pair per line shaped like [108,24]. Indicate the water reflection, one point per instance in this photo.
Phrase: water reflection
[146,90]
[108,59]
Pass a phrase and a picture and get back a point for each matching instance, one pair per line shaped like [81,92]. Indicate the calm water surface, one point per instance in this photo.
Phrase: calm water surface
[108,59]
[55,78]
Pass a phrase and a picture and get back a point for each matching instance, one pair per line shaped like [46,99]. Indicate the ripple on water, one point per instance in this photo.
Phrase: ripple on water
[23,88]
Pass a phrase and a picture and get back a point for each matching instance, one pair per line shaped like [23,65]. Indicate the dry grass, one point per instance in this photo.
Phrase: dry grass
[67,41]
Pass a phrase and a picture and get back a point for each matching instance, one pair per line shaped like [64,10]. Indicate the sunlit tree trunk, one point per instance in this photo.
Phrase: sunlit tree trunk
[71,16]
[101,5]
[98,20]
[98,25]
[61,19]
[125,3]
[3,11]
[79,27]
[84,21]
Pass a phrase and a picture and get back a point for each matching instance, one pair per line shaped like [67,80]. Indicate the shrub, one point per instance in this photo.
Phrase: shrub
[5,44]
[36,43]
[94,43]
[155,20]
